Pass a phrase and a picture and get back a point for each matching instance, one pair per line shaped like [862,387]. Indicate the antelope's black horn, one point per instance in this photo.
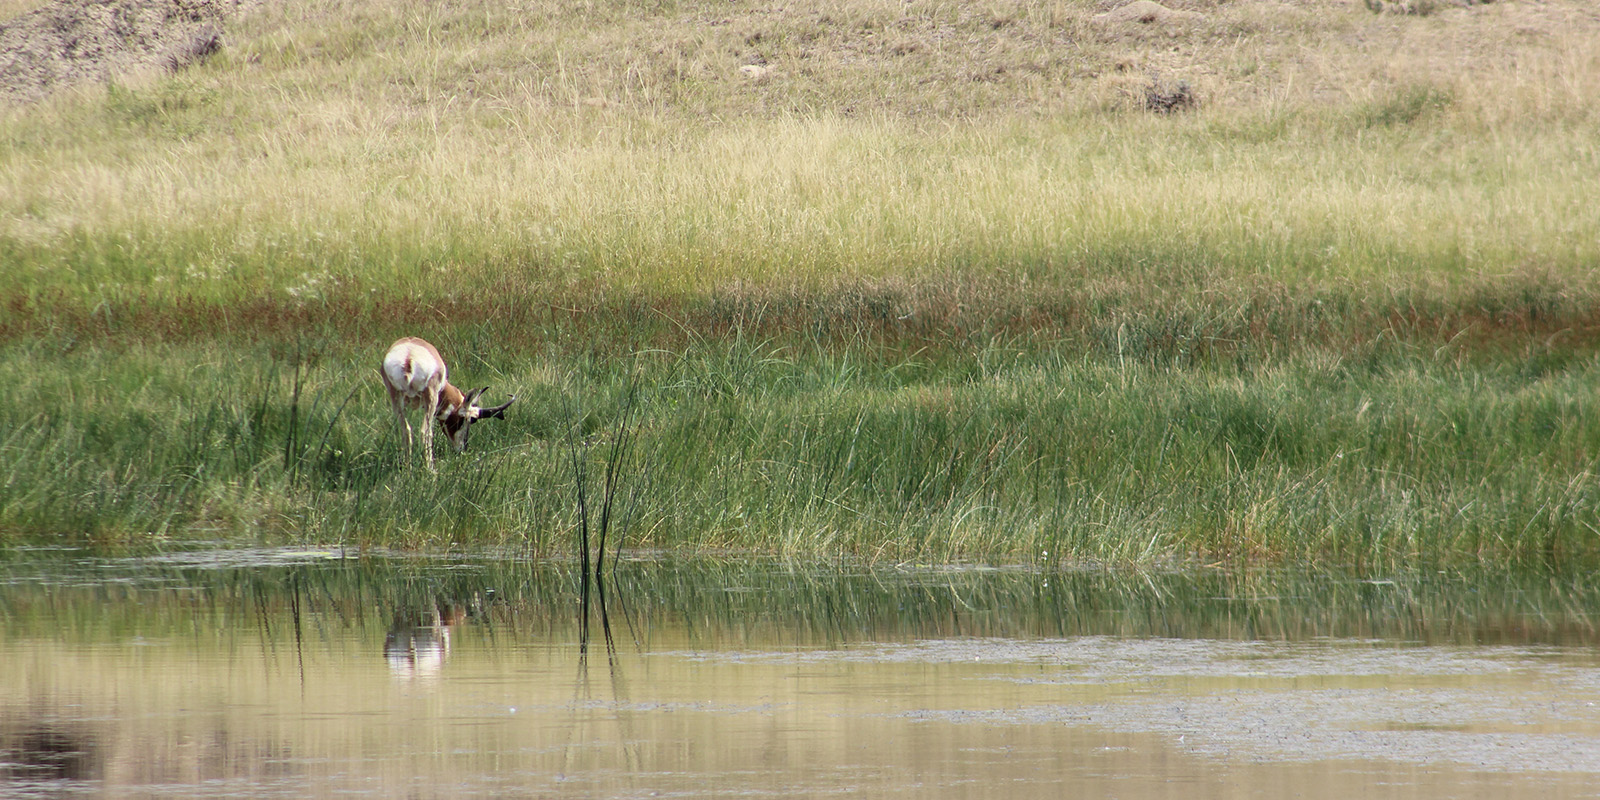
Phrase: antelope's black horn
[497,411]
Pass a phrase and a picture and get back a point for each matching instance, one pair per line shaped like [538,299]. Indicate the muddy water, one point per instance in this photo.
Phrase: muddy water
[300,674]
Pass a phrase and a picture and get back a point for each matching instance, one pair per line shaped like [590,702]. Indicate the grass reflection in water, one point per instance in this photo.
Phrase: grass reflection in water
[309,674]
[717,602]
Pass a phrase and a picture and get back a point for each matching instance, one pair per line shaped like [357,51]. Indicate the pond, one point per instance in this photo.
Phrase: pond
[321,673]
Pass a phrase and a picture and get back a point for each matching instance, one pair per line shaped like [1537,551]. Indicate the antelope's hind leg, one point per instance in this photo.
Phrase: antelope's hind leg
[398,405]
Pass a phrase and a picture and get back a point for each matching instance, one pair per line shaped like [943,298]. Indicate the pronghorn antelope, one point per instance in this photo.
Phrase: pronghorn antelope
[415,375]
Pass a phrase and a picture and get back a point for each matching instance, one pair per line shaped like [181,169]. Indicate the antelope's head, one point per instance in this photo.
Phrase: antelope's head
[457,419]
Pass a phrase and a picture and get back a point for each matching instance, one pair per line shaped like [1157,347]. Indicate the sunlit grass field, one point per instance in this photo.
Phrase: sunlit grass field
[889,280]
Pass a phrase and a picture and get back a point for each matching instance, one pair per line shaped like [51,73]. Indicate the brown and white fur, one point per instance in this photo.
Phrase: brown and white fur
[415,375]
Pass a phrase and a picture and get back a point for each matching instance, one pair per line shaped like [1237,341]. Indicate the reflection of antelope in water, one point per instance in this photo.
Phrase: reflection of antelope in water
[418,643]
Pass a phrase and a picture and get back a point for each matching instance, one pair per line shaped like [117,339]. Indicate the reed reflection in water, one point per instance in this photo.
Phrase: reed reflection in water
[298,675]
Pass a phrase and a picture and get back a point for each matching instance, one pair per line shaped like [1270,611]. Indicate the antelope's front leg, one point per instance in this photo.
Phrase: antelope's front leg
[428,423]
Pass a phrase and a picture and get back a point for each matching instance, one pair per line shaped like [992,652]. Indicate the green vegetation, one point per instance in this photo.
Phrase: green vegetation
[1010,450]
[928,283]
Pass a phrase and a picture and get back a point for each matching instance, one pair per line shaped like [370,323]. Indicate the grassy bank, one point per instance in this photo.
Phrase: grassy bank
[928,281]
[1010,450]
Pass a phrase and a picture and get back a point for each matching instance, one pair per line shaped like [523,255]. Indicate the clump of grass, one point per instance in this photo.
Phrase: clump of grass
[1167,97]
[1405,106]
[1419,8]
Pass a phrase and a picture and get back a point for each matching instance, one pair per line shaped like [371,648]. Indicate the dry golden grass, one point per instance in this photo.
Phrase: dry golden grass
[11,9]
[369,143]
[937,59]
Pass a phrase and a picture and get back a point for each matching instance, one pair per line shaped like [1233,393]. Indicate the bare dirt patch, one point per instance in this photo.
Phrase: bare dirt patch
[70,42]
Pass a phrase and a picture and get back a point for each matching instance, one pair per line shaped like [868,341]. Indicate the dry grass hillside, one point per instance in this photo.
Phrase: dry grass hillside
[927,58]
[48,47]
[294,154]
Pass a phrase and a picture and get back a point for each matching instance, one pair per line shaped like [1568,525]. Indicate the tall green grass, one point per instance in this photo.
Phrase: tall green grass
[1032,454]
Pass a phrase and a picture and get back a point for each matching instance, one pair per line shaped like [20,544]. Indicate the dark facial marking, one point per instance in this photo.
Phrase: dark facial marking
[457,427]
[453,423]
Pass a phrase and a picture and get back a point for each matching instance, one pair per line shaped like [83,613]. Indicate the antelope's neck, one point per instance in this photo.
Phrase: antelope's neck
[449,397]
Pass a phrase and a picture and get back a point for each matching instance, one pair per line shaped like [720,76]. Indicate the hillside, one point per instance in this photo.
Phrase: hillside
[1141,159]
[939,59]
